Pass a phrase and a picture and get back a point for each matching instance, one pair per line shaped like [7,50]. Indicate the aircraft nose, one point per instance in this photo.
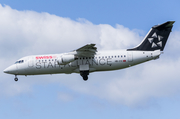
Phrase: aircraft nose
[11,69]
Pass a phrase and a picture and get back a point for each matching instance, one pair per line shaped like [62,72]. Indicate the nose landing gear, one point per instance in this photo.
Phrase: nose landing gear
[16,79]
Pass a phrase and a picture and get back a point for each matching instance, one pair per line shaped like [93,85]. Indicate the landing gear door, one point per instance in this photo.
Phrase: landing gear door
[130,56]
[84,67]
[31,62]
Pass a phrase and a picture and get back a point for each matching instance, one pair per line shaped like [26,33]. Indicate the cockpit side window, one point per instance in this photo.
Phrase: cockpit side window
[20,61]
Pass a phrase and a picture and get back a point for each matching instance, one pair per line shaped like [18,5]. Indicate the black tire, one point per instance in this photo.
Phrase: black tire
[85,78]
[16,79]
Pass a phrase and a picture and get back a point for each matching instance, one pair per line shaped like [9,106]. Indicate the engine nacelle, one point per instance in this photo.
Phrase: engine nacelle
[65,59]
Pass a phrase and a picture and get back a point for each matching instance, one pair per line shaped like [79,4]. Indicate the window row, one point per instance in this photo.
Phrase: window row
[48,60]
[119,56]
[103,57]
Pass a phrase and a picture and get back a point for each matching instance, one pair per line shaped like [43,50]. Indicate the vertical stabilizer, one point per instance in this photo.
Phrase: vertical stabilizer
[156,38]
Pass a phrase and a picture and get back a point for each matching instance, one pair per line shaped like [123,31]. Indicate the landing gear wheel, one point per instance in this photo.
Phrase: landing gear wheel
[16,79]
[85,78]
[84,75]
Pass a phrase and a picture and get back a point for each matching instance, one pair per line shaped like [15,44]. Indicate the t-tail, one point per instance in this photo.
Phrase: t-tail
[156,38]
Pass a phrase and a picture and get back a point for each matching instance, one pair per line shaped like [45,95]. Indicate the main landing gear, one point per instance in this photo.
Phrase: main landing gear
[84,74]
[16,79]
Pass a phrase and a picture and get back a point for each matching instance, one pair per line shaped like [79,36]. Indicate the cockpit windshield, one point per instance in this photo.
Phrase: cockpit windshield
[20,61]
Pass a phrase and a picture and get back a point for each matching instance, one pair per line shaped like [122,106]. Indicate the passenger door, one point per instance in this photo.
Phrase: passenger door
[130,56]
[31,62]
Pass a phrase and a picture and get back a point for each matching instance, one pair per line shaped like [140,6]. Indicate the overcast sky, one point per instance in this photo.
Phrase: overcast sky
[149,90]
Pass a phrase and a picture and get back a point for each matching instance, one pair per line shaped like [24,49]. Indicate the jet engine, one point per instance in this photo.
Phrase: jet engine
[65,59]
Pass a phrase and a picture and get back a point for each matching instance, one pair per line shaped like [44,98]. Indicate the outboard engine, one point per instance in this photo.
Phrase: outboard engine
[65,59]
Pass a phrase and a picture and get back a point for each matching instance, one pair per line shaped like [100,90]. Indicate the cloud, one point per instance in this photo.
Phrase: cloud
[65,97]
[27,32]
[31,32]
[135,86]
[118,38]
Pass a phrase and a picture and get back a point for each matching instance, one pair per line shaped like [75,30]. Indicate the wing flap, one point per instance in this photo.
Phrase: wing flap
[88,50]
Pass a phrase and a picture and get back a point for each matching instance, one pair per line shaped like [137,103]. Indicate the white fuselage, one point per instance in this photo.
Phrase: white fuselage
[102,61]
[87,59]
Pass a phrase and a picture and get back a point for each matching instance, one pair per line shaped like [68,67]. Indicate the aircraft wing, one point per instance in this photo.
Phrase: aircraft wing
[88,50]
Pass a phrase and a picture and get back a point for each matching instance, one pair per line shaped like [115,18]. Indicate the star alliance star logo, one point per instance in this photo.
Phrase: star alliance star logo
[155,40]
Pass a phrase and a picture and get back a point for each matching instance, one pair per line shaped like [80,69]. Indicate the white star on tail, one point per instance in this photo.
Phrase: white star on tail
[155,36]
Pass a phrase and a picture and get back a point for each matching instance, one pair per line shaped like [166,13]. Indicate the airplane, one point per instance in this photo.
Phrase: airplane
[87,59]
